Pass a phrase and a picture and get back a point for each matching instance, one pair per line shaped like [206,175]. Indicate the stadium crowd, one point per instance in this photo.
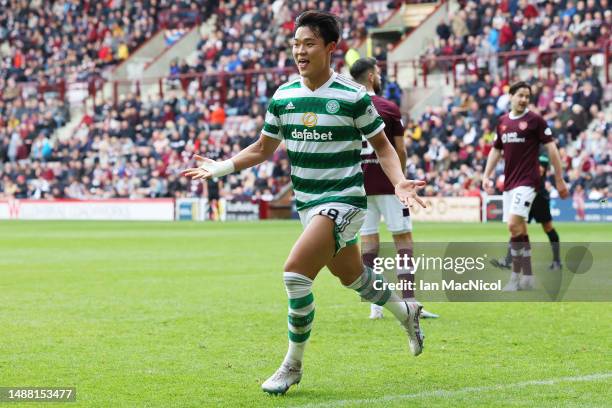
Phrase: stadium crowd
[448,145]
[485,27]
[255,35]
[138,147]
[45,45]
[568,101]
[72,40]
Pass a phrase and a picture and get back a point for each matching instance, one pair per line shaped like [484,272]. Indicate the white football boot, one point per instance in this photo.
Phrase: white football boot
[376,312]
[428,315]
[424,313]
[527,282]
[411,324]
[282,379]
[513,283]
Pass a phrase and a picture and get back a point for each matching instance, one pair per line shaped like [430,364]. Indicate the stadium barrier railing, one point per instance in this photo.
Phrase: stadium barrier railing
[39,89]
[542,61]
[449,66]
[220,80]
[179,18]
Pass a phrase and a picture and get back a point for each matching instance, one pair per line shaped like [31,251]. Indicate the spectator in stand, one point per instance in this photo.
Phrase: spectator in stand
[137,148]
[67,39]
[468,132]
[55,43]
[393,92]
[529,25]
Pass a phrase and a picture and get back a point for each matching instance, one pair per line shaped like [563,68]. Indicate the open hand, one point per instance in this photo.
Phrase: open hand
[201,172]
[406,191]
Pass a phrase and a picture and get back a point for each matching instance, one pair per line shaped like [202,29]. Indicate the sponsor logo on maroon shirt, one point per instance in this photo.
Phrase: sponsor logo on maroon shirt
[375,180]
[520,140]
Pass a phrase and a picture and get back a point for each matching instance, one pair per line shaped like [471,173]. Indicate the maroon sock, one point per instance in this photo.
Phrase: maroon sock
[526,256]
[516,250]
[406,277]
[368,259]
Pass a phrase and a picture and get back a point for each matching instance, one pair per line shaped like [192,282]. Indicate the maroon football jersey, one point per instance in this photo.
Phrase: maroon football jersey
[375,180]
[520,140]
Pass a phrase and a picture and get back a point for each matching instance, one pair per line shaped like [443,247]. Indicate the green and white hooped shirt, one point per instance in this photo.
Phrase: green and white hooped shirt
[323,130]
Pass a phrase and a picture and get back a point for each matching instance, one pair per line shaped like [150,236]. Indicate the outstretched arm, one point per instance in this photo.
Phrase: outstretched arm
[254,154]
[390,162]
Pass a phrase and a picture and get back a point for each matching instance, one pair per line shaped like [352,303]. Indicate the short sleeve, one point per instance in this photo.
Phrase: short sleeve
[272,127]
[365,115]
[497,143]
[545,134]
[397,126]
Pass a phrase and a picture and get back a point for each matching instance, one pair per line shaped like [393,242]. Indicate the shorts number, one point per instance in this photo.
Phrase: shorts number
[331,213]
[517,198]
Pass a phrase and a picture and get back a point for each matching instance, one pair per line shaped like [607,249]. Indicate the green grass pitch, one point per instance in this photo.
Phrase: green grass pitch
[194,314]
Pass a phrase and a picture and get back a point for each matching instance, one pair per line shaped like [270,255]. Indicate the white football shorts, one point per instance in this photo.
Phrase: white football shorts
[348,220]
[394,213]
[518,201]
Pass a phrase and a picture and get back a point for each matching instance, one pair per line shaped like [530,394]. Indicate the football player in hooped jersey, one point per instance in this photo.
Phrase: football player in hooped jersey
[381,198]
[519,135]
[322,116]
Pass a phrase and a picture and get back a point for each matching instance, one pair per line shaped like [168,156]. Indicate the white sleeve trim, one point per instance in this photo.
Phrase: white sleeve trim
[374,132]
[272,135]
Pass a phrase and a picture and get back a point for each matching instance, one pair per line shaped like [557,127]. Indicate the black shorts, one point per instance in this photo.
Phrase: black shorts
[540,210]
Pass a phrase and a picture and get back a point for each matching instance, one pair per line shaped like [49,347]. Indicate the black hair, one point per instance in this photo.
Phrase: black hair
[361,67]
[323,24]
[518,85]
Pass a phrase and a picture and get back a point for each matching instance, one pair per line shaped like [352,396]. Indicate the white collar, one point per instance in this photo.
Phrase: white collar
[519,116]
[325,85]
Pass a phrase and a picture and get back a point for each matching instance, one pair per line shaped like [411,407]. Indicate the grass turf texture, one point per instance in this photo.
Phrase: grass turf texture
[194,314]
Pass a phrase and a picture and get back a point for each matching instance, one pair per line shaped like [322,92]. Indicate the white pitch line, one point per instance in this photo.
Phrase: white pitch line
[466,390]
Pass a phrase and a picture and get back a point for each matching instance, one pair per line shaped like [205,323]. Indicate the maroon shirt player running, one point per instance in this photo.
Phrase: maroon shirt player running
[519,135]
[379,190]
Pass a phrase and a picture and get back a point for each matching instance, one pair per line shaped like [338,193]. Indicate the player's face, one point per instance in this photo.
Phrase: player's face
[310,53]
[376,81]
[520,100]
